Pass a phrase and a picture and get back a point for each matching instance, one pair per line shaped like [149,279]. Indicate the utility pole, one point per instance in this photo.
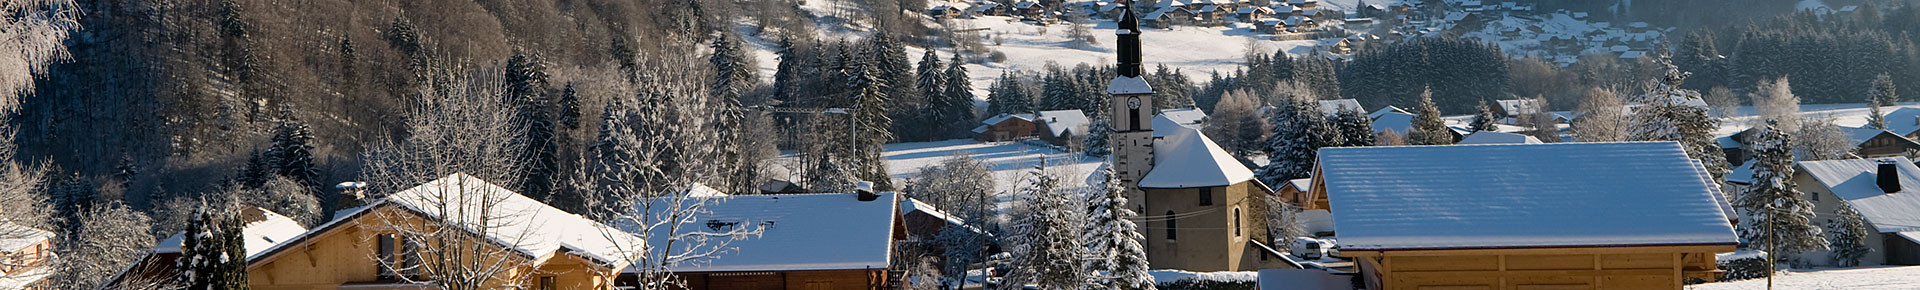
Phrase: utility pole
[1773,243]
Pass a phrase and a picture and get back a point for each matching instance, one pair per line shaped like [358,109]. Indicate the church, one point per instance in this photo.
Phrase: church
[1201,210]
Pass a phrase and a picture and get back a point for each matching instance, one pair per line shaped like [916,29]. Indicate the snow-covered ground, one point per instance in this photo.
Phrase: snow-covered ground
[1009,161]
[1866,278]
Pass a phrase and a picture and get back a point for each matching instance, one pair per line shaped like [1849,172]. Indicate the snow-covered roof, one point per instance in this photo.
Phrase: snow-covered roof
[1854,180]
[1333,107]
[1742,174]
[15,237]
[1186,158]
[1518,106]
[1122,85]
[1152,15]
[828,231]
[1385,110]
[1169,120]
[1062,122]
[1025,4]
[1398,122]
[1520,195]
[1003,117]
[1903,120]
[1251,9]
[1632,54]
[514,221]
[1719,195]
[1303,184]
[263,230]
[1860,136]
[1491,137]
[25,277]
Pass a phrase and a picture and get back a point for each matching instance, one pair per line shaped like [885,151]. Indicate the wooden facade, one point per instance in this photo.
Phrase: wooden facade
[344,254]
[1635,267]
[1007,130]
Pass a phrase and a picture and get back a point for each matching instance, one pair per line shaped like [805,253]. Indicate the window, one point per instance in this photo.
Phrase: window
[398,256]
[1206,196]
[1815,196]
[386,253]
[546,283]
[1236,222]
[1172,225]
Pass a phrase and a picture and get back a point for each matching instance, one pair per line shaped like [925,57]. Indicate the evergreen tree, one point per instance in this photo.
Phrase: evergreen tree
[1881,93]
[873,125]
[1669,113]
[124,172]
[788,75]
[1485,120]
[955,104]
[1097,138]
[1044,236]
[1427,127]
[1294,145]
[734,73]
[895,72]
[526,79]
[213,252]
[292,151]
[1847,237]
[1056,90]
[932,85]
[569,107]
[1777,215]
[1113,238]
[258,169]
[1357,129]
[1008,96]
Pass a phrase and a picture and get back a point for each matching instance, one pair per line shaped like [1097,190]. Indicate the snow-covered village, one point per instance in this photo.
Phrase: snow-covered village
[960,144]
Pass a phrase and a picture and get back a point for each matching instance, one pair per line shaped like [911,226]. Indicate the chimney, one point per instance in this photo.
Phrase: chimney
[865,189]
[1889,177]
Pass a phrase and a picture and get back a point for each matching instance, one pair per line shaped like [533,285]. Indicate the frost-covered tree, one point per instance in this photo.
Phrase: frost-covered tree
[1045,236]
[1669,113]
[1283,218]
[1428,129]
[1847,237]
[931,85]
[959,185]
[286,197]
[1540,123]
[1484,120]
[33,35]
[568,107]
[872,124]
[1292,148]
[212,252]
[1235,126]
[1820,139]
[105,238]
[1722,102]
[1117,261]
[1601,117]
[1096,141]
[734,72]
[1777,215]
[1775,101]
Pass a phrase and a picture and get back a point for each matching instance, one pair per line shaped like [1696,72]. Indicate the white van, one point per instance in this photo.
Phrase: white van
[1310,248]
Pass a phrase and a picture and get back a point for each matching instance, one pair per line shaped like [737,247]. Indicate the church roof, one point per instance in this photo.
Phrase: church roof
[1186,158]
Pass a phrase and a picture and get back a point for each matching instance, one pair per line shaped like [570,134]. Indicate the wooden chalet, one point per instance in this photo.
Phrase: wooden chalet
[1062,127]
[1005,127]
[1451,217]
[1885,191]
[24,255]
[809,241]
[262,229]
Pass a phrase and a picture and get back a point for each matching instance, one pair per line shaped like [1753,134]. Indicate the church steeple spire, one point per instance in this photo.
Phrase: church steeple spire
[1129,41]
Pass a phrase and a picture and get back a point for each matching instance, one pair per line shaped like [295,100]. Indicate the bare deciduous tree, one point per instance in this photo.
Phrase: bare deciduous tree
[1601,117]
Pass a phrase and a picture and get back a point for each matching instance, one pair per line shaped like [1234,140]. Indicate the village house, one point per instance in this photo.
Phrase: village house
[987,8]
[1005,127]
[1031,9]
[807,241]
[1401,123]
[24,253]
[1252,13]
[1334,107]
[1904,121]
[381,245]
[260,229]
[1168,16]
[1062,127]
[1885,191]
[948,10]
[1509,111]
[1205,205]
[1452,217]
[1866,142]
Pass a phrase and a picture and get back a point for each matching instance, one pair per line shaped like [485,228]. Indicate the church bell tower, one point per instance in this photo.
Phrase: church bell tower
[1131,110]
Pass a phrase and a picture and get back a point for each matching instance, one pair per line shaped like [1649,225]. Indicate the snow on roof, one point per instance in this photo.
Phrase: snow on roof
[264,229]
[702,190]
[1122,85]
[1169,120]
[1742,174]
[829,231]
[1385,110]
[1860,136]
[15,237]
[22,279]
[1251,9]
[1491,137]
[1719,196]
[1062,122]
[515,221]
[1303,184]
[1632,54]
[1003,117]
[1333,107]
[1903,120]
[1853,180]
[1520,195]
[910,205]
[1025,4]
[1518,106]
[1187,159]
[1398,122]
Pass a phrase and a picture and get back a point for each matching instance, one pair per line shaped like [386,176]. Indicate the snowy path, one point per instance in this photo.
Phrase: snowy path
[1830,279]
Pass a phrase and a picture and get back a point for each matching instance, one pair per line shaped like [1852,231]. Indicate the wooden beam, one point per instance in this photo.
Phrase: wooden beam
[1678,280]
[1547,251]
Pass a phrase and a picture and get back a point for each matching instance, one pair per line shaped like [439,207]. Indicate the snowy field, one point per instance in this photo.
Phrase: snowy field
[1868,278]
[1009,161]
